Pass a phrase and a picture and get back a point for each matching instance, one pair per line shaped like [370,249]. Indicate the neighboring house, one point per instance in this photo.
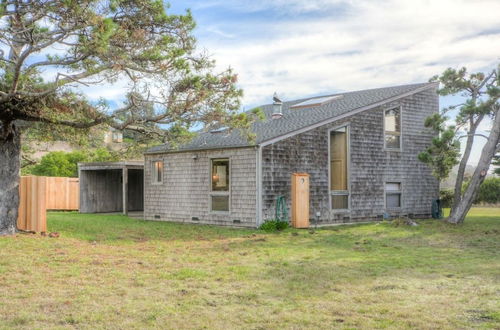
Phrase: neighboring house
[359,148]
[113,136]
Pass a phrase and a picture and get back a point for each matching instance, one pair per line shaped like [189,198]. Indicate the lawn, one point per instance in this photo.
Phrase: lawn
[115,272]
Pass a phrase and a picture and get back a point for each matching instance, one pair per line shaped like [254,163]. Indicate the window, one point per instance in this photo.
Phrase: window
[392,195]
[157,171]
[339,152]
[392,124]
[219,196]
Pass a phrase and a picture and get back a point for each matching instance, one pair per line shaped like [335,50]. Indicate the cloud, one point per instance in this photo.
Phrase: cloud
[371,44]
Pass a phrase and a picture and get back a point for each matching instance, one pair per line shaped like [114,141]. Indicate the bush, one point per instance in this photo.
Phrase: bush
[489,191]
[274,225]
[446,197]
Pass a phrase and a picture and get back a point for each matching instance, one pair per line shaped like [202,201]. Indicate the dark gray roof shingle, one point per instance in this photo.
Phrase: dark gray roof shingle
[294,118]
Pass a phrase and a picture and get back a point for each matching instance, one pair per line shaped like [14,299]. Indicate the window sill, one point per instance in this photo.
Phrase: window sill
[157,183]
[340,210]
[393,150]
[220,212]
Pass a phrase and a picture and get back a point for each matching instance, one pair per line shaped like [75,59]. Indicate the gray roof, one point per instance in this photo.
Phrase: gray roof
[295,119]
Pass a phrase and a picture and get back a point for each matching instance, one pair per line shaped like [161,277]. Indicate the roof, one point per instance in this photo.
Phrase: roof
[296,119]
[131,164]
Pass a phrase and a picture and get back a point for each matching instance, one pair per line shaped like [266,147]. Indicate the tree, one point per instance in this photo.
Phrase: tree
[482,93]
[60,163]
[51,50]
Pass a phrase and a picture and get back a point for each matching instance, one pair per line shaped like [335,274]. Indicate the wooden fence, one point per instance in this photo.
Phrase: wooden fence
[32,204]
[63,193]
[37,194]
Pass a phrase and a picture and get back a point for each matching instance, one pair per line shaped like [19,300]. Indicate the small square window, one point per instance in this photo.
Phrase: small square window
[157,171]
[220,203]
[393,194]
[340,202]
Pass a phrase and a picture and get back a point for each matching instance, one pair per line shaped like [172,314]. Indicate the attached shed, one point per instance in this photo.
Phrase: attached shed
[111,187]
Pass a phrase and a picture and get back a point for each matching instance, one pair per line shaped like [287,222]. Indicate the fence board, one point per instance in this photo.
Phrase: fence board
[63,193]
[32,204]
[37,194]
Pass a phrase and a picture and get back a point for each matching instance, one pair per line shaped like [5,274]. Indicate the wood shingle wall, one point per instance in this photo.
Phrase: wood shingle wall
[370,164]
[183,196]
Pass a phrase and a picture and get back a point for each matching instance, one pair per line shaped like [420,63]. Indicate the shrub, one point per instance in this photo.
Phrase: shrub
[489,191]
[446,197]
[274,225]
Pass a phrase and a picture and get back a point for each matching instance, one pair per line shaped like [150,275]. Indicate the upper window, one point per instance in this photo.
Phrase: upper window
[219,198]
[157,171]
[339,152]
[392,124]
[393,194]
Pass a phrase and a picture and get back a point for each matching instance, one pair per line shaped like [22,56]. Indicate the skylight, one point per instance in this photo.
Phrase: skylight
[315,101]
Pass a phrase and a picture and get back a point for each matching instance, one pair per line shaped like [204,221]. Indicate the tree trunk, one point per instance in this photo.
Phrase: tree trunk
[10,150]
[460,210]
[457,197]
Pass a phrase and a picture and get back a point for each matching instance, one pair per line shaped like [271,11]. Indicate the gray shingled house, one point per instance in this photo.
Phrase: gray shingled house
[359,148]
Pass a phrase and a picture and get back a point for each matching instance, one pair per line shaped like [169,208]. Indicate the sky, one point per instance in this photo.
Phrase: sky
[305,48]
[302,48]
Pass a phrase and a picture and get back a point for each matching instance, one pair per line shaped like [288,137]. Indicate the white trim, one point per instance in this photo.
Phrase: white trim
[400,107]
[258,180]
[347,126]
[347,114]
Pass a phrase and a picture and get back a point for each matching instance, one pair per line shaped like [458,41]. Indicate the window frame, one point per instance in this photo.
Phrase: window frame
[393,192]
[154,173]
[212,192]
[400,108]
[347,192]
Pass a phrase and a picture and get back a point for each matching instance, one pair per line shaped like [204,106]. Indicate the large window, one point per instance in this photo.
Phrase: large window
[157,171]
[339,154]
[392,124]
[392,195]
[219,195]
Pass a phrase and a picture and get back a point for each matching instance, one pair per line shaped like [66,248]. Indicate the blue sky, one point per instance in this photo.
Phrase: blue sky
[302,48]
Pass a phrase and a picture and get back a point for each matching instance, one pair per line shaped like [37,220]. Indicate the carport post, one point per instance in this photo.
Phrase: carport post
[125,189]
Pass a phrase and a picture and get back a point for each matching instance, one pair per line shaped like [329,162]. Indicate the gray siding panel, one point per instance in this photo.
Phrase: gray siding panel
[370,164]
[185,190]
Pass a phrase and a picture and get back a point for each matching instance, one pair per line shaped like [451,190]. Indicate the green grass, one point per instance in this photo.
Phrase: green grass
[115,272]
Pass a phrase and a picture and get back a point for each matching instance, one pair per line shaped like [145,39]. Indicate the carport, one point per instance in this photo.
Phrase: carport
[111,187]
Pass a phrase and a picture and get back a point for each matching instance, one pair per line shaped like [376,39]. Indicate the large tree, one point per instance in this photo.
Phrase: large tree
[481,93]
[52,50]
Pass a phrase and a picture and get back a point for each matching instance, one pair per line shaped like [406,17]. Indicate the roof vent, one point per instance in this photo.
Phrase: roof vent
[277,104]
[316,101]
[219,130]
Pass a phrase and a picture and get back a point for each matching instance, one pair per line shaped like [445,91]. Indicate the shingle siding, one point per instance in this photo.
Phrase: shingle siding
[185,190]
[370,164]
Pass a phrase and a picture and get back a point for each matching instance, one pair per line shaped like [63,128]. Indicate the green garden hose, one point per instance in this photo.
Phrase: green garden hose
[281,211]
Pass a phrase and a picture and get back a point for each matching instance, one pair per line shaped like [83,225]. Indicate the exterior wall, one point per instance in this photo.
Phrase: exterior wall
[101,191]
[184,192]
[370,164]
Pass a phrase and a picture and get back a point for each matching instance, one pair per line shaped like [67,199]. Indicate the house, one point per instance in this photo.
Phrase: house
[359,148]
